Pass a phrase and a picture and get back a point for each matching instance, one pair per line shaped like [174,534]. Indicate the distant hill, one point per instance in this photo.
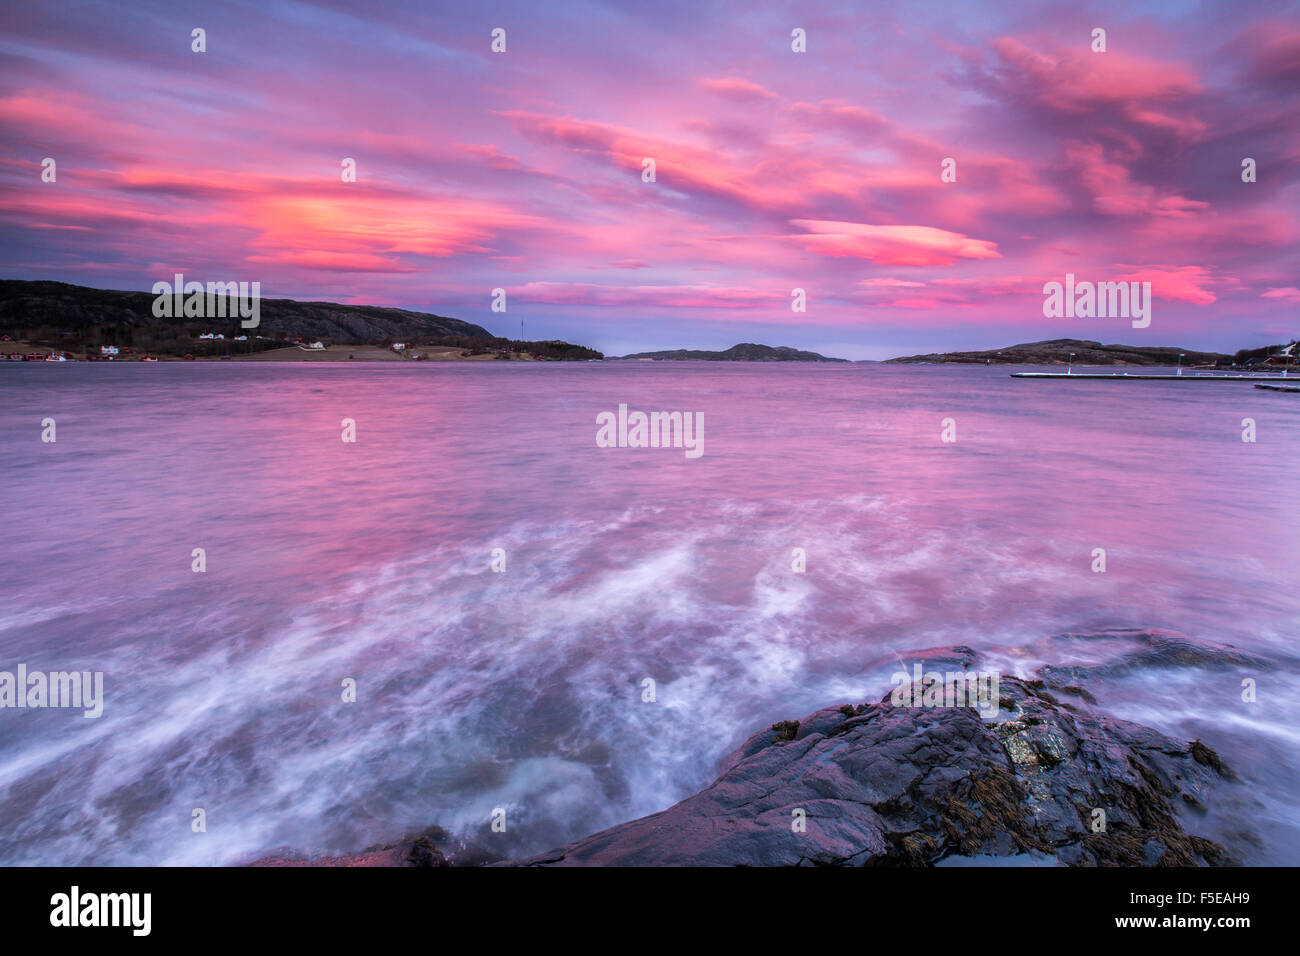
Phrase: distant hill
[744,352]
[28,307]
[75,318]
[1057,352]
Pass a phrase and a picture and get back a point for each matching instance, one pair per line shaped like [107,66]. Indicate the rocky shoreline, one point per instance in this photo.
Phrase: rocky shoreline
[1046,780]
[888,785]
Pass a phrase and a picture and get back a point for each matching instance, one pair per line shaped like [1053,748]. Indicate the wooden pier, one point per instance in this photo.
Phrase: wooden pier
[1163,377]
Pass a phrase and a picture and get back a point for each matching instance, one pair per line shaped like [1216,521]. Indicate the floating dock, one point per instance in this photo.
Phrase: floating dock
[1189,377]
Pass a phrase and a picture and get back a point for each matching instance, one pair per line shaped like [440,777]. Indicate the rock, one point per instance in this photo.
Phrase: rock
[950,656]
[424,849]
[880,785]
[393,855]
[1150,650]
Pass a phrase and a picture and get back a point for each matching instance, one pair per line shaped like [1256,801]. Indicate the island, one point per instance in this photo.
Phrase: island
[744,352]
[1084,351]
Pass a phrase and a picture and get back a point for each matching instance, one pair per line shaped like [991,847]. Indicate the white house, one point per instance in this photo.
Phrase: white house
[106,350]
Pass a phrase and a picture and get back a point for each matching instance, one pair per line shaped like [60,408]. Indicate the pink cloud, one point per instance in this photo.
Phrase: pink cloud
[335,261]
[920,302]
[1287,294]
[1274,51]
[683,296]
[772,171]
[1175,283]
[887,283]
[891,245]
[837,114]
[1143,91]
[736,88]
[490,155]
[971,292]
[984,286]
[1115,194]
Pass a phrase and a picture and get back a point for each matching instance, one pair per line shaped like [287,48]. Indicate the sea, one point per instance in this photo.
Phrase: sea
[473,612]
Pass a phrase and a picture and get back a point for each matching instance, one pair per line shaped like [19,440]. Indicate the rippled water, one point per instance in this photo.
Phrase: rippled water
[523,689]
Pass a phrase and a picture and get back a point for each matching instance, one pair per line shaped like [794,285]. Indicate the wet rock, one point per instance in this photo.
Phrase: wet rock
[434,847]
[1146,650]
[952,656]
[880,785]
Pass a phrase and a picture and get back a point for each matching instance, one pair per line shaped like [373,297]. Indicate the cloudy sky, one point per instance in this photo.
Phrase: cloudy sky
[774,170]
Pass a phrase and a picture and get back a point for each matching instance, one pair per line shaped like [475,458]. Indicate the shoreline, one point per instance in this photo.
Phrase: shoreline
[372,354]
[291,353]
[1048,779]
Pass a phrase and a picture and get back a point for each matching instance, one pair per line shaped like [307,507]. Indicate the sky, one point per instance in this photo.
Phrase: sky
[774,170]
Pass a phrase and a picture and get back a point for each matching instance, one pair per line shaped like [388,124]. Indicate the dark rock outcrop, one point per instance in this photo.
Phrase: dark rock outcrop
[879,784]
